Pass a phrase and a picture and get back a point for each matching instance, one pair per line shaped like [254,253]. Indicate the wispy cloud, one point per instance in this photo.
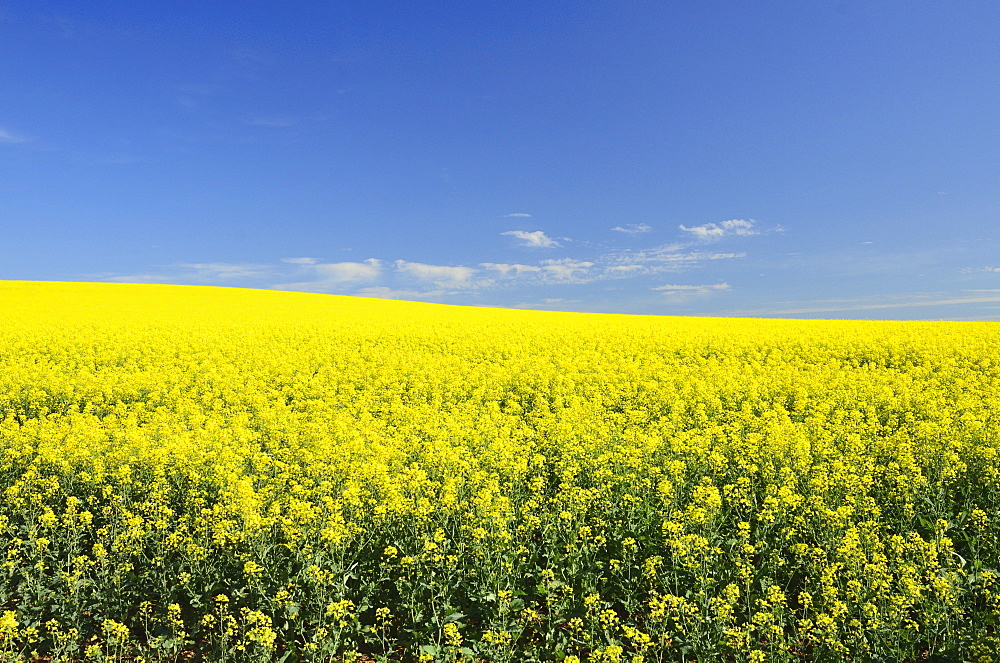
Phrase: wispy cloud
[406,279]
[510,269]
[138,278]
[917,301]
[683,294]
[714,231]
[633,228]
[273,122]
[7,138]
[443,276]
[207,272]
[332,276]
[249,55]
[561,270]
[342,272]
[75,29]
[678,256]
[517,215]
[536,238]
[192,96]
[385,292]
[285,121]
[625,269]
[225,271]
[566,269]
[666,258]
[691,289]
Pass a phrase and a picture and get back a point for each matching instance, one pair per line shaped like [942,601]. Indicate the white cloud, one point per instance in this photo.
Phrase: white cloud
[711,231]
[7,138]
[515,269]
[950,301]
[224,271]
[342,272]
[654,254]
[384,292]
[633,228]
[705,232]
[683,293]
[973,270]
[625,269]
[442,276]
[404,279]
[536,238]
[517,215]
[666,258]
[332,276]
[137,278]
[692,288]
[709,256]
[566,269]
[205,272]
[740,226]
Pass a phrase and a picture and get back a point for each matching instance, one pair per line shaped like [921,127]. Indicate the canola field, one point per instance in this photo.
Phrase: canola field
[212,474]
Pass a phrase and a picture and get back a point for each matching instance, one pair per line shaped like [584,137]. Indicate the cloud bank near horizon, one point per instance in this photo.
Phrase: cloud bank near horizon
[402,278]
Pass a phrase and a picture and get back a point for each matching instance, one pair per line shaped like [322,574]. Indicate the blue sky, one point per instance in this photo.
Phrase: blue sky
[812,159]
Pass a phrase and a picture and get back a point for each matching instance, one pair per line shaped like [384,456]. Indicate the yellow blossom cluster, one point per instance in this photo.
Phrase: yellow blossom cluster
[240,475]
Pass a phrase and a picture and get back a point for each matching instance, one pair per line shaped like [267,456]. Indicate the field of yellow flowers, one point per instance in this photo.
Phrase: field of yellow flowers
[212,474]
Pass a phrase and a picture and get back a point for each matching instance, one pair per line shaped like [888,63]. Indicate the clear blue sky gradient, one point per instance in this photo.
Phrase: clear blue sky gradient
[811,159]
